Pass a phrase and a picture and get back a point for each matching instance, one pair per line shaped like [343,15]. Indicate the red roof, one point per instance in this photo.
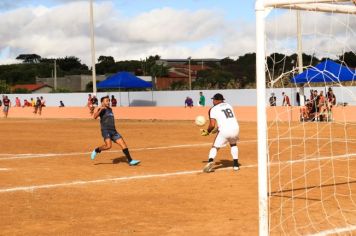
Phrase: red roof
[30,87]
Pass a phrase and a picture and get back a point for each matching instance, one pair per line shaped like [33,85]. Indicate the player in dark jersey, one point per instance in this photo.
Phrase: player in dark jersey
[108,131]
[6,102]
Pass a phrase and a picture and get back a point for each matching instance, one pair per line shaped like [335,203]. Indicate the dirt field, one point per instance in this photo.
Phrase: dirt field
[49,185]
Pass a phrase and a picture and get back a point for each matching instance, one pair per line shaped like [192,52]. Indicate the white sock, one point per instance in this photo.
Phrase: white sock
[235,152]
[212,153]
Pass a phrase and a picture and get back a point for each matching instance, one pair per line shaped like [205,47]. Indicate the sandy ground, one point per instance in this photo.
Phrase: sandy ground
[49,185]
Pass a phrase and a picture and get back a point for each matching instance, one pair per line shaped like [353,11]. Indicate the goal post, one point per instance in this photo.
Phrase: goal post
[262,9]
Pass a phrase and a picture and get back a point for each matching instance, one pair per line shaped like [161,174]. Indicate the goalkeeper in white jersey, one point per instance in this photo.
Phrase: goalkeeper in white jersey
[222,121]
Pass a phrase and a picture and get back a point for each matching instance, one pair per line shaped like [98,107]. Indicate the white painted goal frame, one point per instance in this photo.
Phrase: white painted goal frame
[262,8]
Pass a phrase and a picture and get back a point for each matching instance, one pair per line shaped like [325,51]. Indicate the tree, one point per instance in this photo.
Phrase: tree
[349,58]
[4,88]
[106,59]
[71,64]
[29,58]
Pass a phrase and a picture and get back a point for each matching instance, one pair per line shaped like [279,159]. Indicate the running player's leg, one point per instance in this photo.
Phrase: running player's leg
[107,145]
[121,142]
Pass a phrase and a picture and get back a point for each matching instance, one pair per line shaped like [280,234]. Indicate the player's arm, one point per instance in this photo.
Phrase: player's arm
[212,123]
[97,113]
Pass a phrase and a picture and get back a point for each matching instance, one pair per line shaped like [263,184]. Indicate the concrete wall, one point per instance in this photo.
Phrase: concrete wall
[240,97]
[73,83]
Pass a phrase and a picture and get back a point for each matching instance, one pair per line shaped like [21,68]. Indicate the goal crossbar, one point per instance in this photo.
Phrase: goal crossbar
[314,5]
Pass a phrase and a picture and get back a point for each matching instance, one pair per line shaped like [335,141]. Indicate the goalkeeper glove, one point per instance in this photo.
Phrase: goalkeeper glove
[215,130]
[204,132]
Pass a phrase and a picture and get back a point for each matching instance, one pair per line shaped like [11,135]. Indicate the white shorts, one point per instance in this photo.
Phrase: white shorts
[222,138]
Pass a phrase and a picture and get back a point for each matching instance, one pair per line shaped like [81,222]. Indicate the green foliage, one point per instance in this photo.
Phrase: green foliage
[89,86]
[349,59]
[4,88]
[179,85]
[21,91]
[29,58]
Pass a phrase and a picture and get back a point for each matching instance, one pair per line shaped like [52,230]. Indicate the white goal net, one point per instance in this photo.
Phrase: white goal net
[309,53]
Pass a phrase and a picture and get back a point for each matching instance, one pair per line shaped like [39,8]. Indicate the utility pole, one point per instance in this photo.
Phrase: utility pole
[190,74]
[55,75]
[92,46]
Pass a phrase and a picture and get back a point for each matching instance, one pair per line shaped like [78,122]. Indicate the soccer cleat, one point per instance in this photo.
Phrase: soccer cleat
[93,155]
[208,167]
[134,162]
[236,168]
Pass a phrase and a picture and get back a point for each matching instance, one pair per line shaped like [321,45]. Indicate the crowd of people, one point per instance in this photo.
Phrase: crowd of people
[93,102]
[37,104]
[317,108]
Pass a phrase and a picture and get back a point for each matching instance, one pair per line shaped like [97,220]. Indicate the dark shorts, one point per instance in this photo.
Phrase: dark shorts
[111,134]
[6,108]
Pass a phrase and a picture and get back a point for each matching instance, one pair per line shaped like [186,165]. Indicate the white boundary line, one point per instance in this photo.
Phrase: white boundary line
[335,231]
[4,169]
[44,155]
[83,182]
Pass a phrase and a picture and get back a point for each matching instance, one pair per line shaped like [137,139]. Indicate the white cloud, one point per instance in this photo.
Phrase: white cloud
[63,30]
[322,34]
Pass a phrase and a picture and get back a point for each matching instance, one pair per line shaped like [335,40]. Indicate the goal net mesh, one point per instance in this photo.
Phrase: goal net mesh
[311,146]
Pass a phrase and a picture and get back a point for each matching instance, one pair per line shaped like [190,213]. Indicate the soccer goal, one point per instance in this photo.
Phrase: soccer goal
[306,61]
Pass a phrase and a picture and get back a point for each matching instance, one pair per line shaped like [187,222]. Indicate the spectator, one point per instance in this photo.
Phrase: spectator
[61,104]
[314,104]
[6,101]
[201,99]
[297,98]
[33,102]
[26,103]
[113,101]
[43,104]
[188,102]
[331,98]
[286,101]
[321,106]
[331,101]
[93,103]
[37,105]
[272,100]
[18,102]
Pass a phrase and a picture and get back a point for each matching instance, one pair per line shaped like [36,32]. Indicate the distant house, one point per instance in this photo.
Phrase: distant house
[179,73]
[34,88]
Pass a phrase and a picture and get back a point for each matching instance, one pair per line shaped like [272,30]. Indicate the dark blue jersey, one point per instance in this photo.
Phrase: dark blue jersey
[107,120]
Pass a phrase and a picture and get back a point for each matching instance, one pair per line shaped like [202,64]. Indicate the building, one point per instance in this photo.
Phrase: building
[72,83]
[179,73]
[34,88]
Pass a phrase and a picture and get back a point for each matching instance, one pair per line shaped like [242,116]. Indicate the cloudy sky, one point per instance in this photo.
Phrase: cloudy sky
[135,29]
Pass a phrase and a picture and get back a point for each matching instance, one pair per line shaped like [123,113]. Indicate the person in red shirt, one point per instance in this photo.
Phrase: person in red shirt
[6,101]
[26,103]
[18,102]
[113,101]
[286,101]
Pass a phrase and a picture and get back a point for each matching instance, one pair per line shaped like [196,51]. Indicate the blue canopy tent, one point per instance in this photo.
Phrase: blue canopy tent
[327,71]
[124,80]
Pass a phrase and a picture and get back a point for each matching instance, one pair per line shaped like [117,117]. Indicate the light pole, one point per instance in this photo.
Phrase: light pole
[55,75]
[190,74]
[92,46]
